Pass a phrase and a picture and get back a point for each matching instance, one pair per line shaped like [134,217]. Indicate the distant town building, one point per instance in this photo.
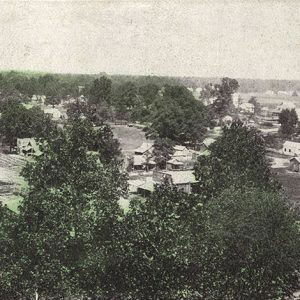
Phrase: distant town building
[183,180]
[294,164]
[54,113]
[247,108]
[145,148]
[270,92]
[291,148]
[28,147]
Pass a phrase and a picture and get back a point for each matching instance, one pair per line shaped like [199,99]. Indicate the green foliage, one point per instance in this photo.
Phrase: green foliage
[69,218]
[153,256]
[100,91]
[18,122]
[257,106]
[237,158]
[223,103]
[288,120]
[148,93]
[163,149]
[179,117]
[251,246]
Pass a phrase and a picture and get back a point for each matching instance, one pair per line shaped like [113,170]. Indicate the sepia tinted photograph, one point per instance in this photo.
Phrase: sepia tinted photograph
[149,149]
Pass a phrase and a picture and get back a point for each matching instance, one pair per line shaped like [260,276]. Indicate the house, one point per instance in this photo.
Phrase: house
[206,143]
[144,149]
[28,147]
[291,148]
[175,164]
[286,105]
[247,108]
[182,153]
[269,92]
[236,100]
[227,120]
[141,162]
[183,180]
[54,113]
[294,164]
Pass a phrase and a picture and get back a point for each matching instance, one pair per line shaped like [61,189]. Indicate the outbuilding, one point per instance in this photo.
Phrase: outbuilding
[294,164]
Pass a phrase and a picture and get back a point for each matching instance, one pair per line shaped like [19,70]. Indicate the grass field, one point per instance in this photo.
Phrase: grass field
[271,101]
[130,137]
[291,183]
[11,183]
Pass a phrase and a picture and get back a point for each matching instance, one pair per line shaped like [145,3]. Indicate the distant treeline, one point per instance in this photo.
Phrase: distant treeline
[34,82]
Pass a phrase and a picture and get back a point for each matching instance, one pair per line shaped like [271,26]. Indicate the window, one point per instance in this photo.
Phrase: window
[290,150]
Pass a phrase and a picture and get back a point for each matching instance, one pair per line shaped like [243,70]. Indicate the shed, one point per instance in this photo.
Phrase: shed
[294,164]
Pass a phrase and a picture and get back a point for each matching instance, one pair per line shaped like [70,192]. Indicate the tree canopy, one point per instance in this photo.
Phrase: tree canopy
[288,120]
[179,117]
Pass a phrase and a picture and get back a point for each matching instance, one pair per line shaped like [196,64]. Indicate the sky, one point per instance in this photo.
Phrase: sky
[215,38]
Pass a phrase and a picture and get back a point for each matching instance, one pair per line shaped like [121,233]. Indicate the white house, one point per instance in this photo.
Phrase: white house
[291,148]
[247,108]
[53,112]
[28,147]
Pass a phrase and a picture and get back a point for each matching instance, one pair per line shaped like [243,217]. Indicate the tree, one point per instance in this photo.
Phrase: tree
[179,117]
[257,107]
[18,122]
[223,92]
[237,158]
[126,96]
[100,91]
[153,257]
[149,93]
[252,246]
[72,203]
[163,149]
[52,100]
[288,120]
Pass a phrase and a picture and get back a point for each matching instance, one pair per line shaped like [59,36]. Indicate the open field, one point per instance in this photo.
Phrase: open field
[271,101]
[130,137]
[11,182]
[291,183]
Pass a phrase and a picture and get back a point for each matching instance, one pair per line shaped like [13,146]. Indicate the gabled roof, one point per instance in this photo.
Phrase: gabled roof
[139,160]
[179,148]
[28,144]
[296,159]
[175,161]
[182,177]
[144,148]
[291,144]
[182,153]
[208,141]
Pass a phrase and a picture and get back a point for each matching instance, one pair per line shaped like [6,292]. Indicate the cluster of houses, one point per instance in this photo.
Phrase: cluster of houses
[144,172]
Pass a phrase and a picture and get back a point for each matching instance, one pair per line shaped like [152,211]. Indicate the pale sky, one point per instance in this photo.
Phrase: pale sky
[235,38]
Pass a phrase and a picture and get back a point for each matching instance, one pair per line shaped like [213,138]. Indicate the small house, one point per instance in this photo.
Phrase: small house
[205,144]
[294,164]
[54,113]
[28,147]
[291,148]
[144,149]
[247,108]
[174,164]
[141,163]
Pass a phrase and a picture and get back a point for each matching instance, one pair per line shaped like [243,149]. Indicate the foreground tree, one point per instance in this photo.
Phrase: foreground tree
[251,244]
[69,217]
